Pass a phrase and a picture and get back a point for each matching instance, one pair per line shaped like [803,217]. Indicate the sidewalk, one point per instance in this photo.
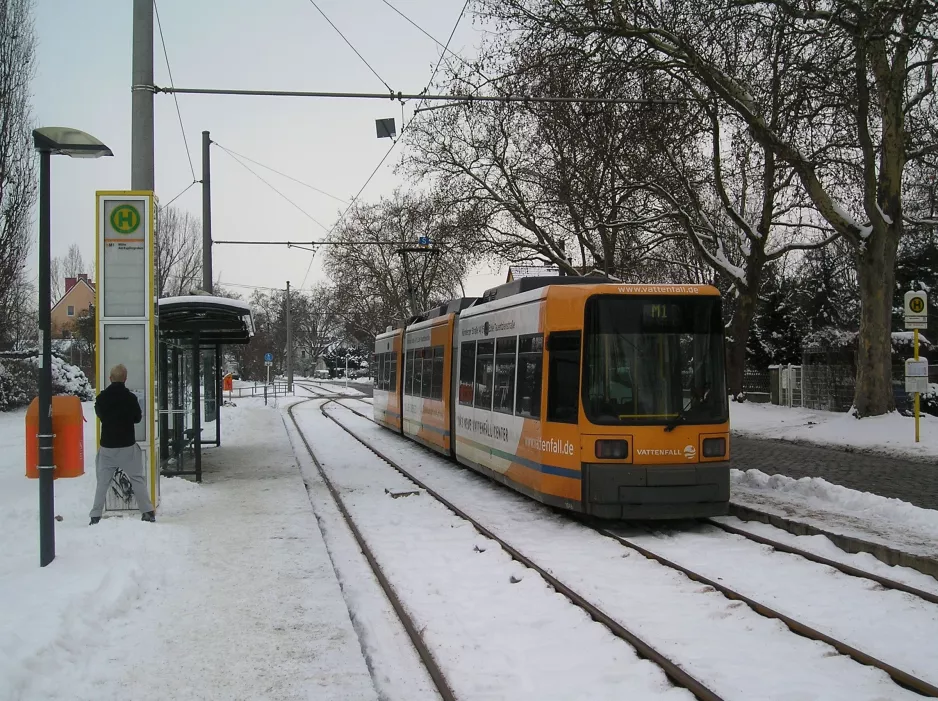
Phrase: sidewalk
[231,595]
[876,454]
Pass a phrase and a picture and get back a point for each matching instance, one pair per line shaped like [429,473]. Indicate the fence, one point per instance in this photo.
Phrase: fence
[274,389]
[757,385]
[832,387]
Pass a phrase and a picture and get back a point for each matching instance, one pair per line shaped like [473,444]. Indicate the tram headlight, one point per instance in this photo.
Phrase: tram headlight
[612,450]
[714,447]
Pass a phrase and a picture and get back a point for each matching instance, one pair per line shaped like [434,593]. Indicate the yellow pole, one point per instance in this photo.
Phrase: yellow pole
[915,351]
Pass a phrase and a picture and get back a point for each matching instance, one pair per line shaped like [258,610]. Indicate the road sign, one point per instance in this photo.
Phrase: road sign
[268,358]
[916,310]
[424,240]
[916,375]
[385,128]
[268,363]
[125,219]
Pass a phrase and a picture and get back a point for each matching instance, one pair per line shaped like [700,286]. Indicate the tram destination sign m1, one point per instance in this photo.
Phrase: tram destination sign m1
[915,310]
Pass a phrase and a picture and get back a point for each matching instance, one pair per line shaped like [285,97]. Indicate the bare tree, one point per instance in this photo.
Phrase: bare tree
[178,252]
[73,264]
[17,163]
[372,285]
[316,324]
[866,110]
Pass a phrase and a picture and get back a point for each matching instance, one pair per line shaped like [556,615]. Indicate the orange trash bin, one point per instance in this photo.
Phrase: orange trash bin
[68,446]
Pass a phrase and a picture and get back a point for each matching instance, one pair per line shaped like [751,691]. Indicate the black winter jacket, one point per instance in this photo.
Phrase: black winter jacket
[119,410]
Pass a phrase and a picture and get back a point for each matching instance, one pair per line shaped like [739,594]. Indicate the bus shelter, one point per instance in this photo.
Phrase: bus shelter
[192,334]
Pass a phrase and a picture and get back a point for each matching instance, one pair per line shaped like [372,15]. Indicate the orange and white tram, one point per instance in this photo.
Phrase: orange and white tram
[600,398]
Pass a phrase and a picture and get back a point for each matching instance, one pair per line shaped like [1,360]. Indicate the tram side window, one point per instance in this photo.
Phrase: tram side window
[418,373]
[379,359]
[563,377]
[410,372]
[485,374]
[427,372]
[530,362]
[505,374]
[467,367]
[436,389]
[392,372]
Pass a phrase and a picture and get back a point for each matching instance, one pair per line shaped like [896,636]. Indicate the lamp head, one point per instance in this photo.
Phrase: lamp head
[68,142]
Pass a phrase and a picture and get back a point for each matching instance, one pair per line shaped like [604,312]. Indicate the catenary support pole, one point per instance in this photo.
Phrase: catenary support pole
[142,90]
[916,399]
[196,406]
[289,342]
[206,213]
[46,457]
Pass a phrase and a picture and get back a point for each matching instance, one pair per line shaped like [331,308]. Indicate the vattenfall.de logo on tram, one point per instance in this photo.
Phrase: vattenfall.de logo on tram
[689,452]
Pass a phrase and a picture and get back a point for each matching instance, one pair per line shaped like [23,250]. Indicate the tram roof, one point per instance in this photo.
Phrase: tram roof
[216,319]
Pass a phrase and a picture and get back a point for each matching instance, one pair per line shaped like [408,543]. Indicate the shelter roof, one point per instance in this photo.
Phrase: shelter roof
[216,319]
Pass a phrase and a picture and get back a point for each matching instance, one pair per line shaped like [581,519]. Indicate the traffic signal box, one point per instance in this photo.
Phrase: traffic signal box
[69,443]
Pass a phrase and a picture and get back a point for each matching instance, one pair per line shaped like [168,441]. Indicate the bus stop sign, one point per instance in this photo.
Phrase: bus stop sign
[915,310]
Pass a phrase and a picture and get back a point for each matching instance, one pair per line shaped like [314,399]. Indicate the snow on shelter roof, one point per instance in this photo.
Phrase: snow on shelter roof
[216,319]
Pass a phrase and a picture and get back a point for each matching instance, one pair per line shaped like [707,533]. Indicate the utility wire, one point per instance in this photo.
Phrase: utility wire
[313,3]
[176,99]
[430,36]
[288,177]
[180,194]
[261,178]
[393,143]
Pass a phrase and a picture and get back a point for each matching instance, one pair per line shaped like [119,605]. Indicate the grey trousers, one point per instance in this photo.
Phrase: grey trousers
[129,461]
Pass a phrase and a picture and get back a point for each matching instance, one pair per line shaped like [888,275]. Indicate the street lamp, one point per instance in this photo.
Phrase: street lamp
[77,144]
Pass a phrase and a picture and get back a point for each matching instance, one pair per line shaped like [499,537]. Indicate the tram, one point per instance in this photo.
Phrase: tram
[595,397]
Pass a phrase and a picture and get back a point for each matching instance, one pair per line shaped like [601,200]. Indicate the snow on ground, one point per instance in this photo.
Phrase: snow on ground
[497,629]
[832,507]
[331,387]
[821,545]
[230,595]
[892,433]
[895,627]
[740,654]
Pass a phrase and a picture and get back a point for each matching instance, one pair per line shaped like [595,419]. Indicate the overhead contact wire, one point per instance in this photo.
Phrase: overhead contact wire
[393,143]
[351,46]
[172,84]
[263,180]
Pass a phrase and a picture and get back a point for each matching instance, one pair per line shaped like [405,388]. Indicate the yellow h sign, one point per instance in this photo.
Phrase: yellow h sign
[125,219]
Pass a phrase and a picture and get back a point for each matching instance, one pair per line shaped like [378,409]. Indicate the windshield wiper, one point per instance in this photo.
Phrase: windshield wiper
[681,418]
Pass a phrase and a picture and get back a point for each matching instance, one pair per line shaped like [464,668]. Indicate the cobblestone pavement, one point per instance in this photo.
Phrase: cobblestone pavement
[914,482]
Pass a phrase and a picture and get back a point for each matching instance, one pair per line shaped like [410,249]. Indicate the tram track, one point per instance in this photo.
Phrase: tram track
[899,676]
[440,681]
[672,671]
[775,544]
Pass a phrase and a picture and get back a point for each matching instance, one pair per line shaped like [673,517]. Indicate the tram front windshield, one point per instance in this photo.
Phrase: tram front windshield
[654,361]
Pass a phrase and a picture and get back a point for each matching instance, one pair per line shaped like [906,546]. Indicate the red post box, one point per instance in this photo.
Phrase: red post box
[69,443]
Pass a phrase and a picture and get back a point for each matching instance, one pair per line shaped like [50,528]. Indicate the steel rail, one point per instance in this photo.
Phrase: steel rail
[820,559]
[902,678]
[671,669]
[433,669]
[782,547]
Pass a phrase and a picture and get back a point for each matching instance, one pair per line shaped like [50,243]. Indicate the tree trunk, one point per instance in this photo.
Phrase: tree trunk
[876,279]
[736,353]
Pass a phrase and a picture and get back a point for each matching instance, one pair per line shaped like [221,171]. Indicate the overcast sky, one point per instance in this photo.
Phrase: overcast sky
[83,81]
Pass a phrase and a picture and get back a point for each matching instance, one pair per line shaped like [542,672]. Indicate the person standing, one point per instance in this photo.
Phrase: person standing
[118,409]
